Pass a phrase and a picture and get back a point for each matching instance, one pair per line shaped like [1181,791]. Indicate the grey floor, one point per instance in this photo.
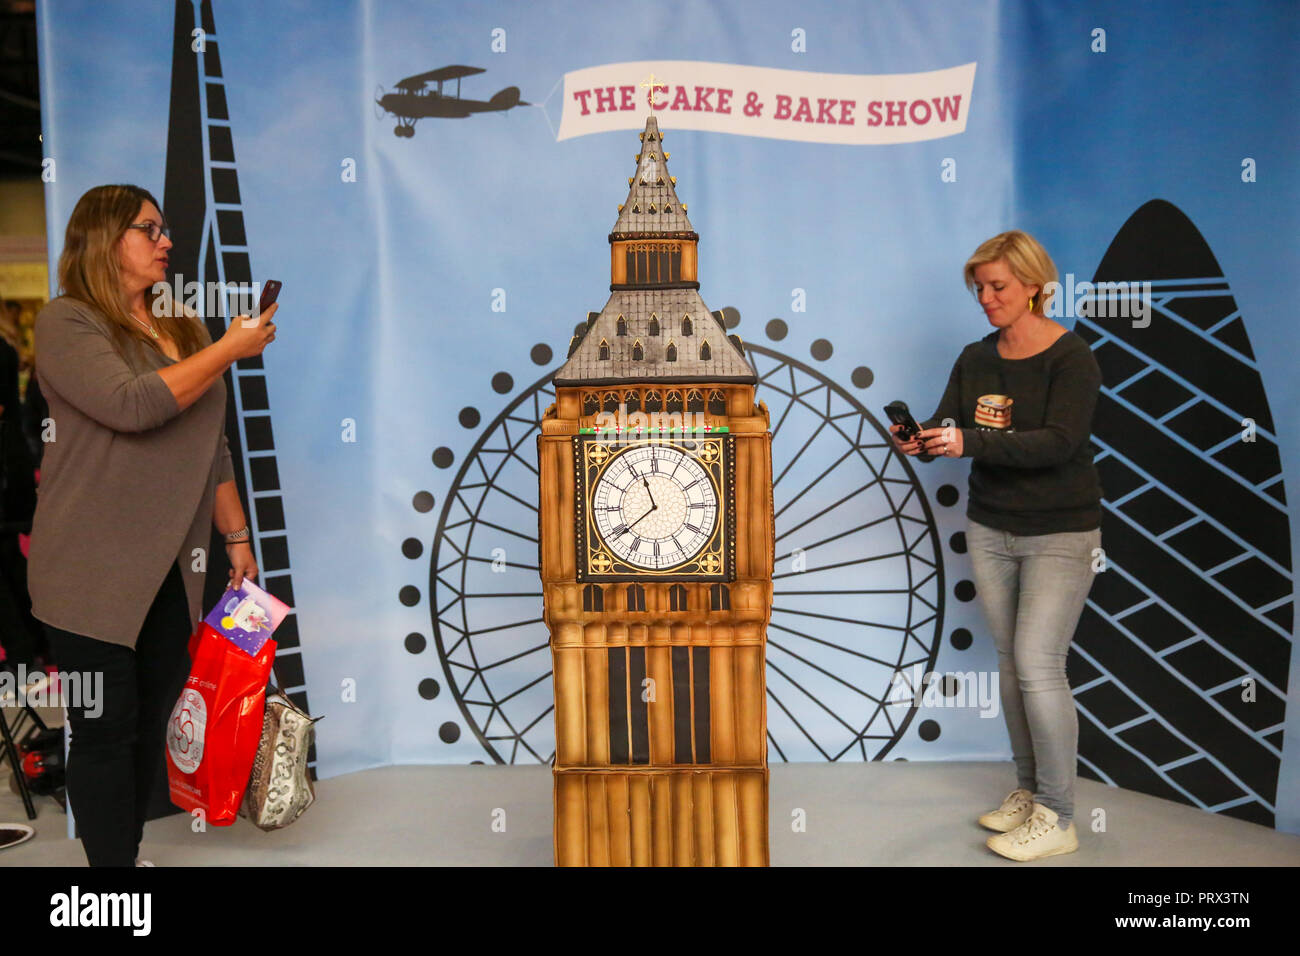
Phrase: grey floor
[878,814]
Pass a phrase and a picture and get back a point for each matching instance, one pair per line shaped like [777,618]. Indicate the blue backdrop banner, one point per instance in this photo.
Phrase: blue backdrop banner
[435,183]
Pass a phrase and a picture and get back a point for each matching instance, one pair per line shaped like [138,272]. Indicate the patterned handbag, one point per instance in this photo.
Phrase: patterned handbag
[280,789]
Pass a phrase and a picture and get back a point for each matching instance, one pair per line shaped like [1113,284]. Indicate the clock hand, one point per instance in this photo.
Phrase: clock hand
[647,491]
[642,518]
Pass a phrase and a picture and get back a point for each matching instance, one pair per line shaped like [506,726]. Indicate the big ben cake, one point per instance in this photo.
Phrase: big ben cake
[656,550]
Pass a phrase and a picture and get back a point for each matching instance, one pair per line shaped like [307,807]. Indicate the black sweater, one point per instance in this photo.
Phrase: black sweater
[1038,476]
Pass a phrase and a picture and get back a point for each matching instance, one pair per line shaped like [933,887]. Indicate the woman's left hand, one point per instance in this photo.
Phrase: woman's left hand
[945,442]
[242,564]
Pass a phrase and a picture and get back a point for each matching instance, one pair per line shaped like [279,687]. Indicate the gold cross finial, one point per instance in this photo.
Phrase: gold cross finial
[650,96]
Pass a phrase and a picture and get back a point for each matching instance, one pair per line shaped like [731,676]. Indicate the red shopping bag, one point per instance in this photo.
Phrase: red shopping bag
[215,726]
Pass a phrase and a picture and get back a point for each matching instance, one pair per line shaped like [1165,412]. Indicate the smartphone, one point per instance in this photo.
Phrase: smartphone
[898,414]
[270,292]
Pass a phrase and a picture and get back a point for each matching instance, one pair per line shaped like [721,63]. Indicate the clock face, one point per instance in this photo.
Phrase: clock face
[655,506]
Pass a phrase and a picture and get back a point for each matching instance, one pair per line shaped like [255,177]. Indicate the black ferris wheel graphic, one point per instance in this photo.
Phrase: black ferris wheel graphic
[859,582]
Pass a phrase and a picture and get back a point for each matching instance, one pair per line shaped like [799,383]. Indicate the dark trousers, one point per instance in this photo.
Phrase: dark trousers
[20,633]
[115,758]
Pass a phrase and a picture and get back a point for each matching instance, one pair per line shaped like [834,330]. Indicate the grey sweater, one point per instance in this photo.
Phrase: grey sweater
[127,483]
[1039,478]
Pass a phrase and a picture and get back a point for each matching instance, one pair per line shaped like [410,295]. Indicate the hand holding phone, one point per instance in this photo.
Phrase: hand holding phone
[270,292]
[908,429]
[248,335]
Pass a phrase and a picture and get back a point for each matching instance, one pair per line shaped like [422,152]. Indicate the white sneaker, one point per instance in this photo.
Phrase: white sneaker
[143,863]
[1014,811]
[1037,837]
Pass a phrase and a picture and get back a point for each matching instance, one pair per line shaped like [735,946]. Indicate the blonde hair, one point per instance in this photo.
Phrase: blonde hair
[90,268]
[1024,256]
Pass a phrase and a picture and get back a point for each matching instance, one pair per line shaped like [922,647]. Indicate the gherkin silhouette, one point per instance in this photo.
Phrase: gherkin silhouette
[1194,611]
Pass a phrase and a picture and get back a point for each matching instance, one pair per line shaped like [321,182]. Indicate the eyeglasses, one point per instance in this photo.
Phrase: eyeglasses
[152,230]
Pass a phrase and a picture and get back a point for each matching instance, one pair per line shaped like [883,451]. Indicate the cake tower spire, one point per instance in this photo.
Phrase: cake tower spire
[655,326]
[652,209]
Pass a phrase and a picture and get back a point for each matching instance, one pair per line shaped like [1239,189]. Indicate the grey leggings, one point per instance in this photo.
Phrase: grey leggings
[1033,589]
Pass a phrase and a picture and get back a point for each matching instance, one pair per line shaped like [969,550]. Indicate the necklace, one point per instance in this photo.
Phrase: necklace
[147,327]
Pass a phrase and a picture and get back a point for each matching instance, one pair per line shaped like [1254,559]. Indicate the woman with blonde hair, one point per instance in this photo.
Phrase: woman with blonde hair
[1019,403]
[135,473]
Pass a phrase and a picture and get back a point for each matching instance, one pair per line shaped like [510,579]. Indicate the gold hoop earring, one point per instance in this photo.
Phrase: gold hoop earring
[1031,303]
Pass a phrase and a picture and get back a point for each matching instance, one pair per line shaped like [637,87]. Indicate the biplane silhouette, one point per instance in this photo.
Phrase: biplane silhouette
[412,100]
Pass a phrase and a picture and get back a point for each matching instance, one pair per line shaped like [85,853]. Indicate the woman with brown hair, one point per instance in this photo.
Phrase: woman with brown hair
[135,473]
[1019,403]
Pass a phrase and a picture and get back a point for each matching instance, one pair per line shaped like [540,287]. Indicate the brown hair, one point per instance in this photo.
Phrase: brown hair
[90,268]
[1024,256]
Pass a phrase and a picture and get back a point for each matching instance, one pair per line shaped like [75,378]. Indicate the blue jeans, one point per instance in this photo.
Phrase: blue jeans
[1033,590]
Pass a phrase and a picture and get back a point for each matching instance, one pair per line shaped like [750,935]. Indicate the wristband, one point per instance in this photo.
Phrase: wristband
[239,537]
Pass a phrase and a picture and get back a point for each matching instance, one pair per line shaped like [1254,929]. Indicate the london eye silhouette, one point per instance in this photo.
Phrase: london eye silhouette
[858,580]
